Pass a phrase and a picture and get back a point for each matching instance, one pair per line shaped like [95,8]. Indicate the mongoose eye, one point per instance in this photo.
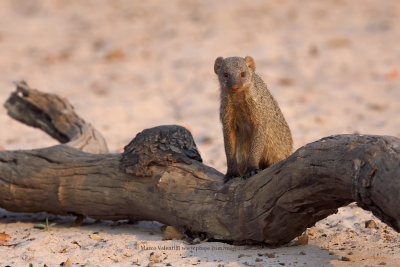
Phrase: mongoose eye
[226,75]
[243,74]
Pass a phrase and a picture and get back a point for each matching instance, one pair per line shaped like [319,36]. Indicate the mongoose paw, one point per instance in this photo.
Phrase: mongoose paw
[230,176]
[250,173]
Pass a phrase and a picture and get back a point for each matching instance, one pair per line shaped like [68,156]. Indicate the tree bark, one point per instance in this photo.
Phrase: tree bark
[55,116]
[160,177]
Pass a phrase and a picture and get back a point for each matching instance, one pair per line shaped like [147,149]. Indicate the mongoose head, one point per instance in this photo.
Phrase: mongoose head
[234,73]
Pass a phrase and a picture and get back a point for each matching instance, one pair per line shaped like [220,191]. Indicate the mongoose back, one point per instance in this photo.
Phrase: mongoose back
[256,134]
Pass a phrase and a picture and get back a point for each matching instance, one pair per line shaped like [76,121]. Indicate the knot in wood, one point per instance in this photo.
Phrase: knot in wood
[162,146]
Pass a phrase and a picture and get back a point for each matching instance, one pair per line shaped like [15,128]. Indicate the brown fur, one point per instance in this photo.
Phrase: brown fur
[256,134]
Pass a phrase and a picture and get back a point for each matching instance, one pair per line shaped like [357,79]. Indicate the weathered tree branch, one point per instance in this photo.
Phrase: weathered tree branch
[160,177]
[55,116]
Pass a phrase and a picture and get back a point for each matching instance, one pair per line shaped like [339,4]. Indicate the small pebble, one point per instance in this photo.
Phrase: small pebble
[344,258]
[370,224]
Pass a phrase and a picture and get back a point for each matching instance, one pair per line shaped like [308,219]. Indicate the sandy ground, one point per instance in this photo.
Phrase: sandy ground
[333,66]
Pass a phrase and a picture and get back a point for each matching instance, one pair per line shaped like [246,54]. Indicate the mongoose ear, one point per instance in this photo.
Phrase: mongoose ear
[217,64]
[250,63]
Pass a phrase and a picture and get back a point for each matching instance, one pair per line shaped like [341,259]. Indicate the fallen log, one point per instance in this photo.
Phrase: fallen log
[160,177]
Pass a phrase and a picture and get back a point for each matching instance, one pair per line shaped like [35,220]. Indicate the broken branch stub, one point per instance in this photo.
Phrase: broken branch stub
[55,116]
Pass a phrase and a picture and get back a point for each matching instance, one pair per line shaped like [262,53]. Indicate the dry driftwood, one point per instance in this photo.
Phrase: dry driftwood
[160,177]
[55,116]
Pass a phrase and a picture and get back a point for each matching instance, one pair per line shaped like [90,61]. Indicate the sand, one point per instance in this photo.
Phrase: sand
[333,66]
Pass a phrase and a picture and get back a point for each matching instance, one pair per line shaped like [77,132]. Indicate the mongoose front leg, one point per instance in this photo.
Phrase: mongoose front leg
[230,142]
[232,171]
[255,155]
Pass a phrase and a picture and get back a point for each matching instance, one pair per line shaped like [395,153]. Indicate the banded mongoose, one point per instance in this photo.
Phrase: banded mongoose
[256,134]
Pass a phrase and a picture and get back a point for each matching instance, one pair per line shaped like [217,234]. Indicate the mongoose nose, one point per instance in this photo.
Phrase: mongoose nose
[235,87]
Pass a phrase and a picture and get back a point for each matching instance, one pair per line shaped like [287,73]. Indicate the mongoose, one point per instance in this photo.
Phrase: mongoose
[256,134]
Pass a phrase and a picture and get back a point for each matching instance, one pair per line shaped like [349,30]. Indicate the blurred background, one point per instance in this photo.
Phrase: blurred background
[333,65]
